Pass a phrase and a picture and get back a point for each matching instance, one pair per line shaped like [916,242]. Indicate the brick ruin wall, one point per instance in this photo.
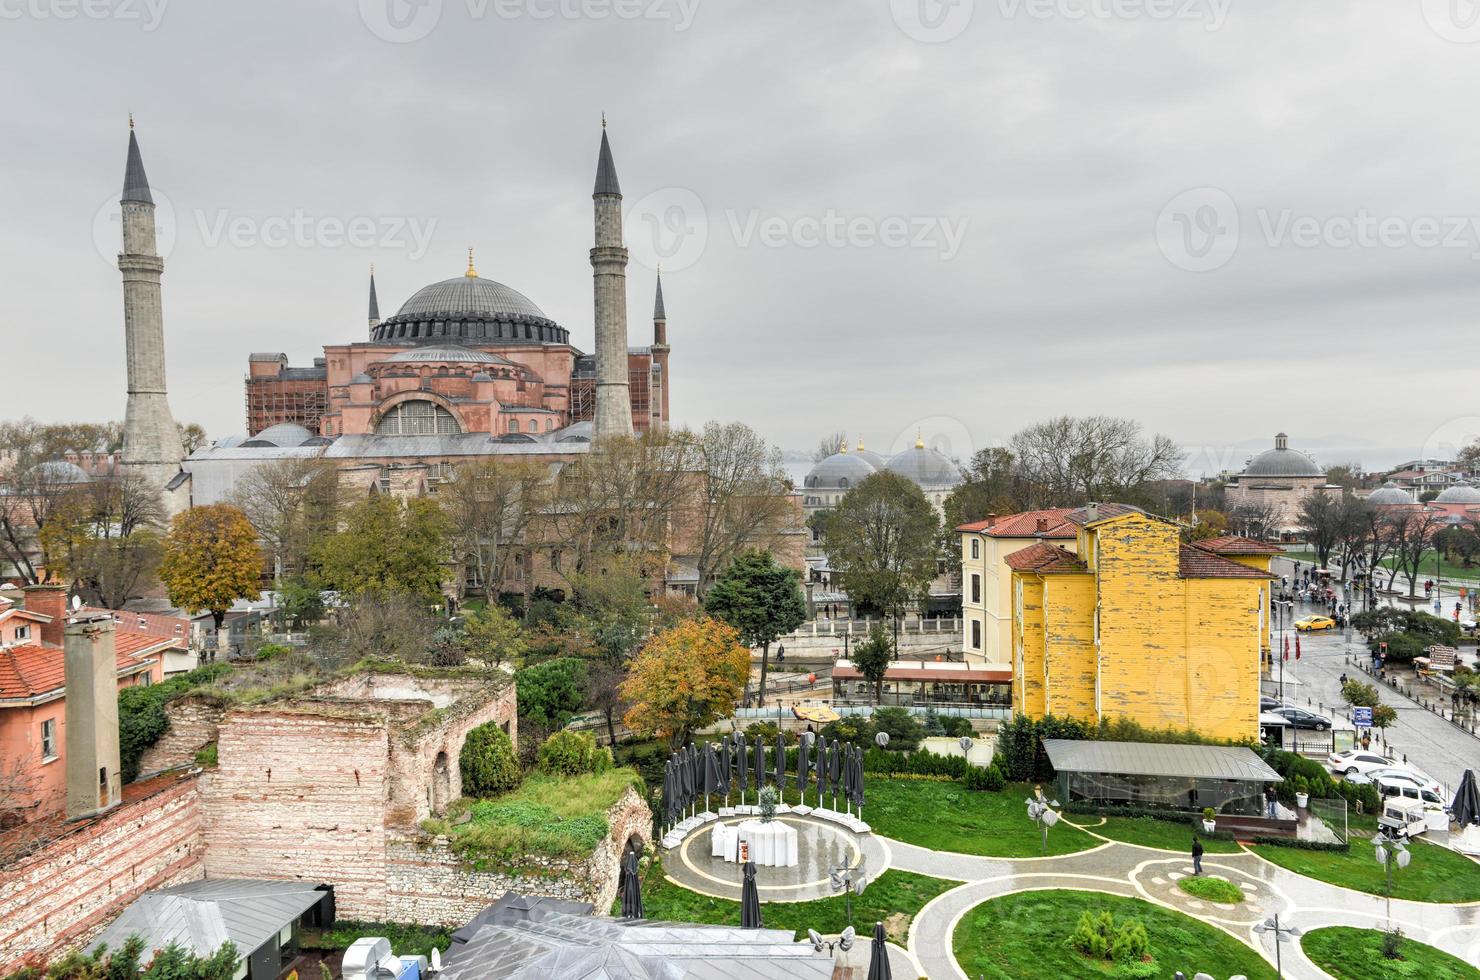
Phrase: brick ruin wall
[193,723]
[428,883]
[60,897]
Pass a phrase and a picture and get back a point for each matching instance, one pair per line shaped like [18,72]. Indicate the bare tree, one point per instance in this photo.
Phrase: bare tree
[1068,461]
[1319,517]
[738,498]
[828,445]
[604,693]
[292,503]
[1411,532]
[105,536]
[1256,521]
[492,504]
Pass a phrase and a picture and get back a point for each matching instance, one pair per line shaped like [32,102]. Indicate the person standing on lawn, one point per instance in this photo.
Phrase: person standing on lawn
[1197,853]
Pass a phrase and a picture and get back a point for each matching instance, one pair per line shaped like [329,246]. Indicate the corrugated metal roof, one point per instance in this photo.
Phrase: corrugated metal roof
[202,915]
[1159,759]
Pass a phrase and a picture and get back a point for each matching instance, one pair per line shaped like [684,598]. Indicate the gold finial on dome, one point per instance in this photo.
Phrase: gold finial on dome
[860,444]
[603,119]
[472,273]
[130,120]
[844,450]
[919,439]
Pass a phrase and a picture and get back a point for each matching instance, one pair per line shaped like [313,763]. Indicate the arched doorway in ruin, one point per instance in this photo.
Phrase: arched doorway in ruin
[441,784]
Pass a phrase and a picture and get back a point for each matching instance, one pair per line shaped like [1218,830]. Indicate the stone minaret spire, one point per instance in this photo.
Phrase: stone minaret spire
[151,443]
[659,384]
[609,270]
[374,304]
[660,316]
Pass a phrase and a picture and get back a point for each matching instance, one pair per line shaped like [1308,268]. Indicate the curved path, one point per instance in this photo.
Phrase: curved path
[1151,874]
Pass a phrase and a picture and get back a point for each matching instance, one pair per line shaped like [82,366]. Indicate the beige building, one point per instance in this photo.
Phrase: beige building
[1280,479]
[986,579]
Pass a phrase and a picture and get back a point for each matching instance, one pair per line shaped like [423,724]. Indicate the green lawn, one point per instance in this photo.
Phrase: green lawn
[1356,954]
[945,816]
[1026,936]
[1150,832]
[1434,874]
[893,898]
[1212,888]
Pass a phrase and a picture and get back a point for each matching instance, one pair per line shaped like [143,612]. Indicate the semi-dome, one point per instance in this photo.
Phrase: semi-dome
[1460,493]
[1389,495]
[446,354]
[1282,461]
[839,472]
[925,467]
[470,308]
[284,435]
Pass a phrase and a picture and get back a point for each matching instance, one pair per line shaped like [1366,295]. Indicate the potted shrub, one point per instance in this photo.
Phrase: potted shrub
[1210,822]
[1301,785]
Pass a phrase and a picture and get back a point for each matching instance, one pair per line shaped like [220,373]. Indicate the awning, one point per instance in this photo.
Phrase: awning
[1158,759]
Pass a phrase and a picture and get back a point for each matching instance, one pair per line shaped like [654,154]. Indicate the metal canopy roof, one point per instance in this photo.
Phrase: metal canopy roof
[1159,759]
[202,915]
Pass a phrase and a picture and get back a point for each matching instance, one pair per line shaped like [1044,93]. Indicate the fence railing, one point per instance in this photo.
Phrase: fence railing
[860,627]
[944,709]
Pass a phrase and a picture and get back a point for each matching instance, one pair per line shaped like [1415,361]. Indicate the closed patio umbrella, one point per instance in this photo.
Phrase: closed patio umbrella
[847,776]
[724,767]
[760,764]
[780,766]
[711,772]
[858,778]
[631,887]
[667,804]
[750,899]
[742,767]
[836,774]
[878,956]
[822,771]
[686,771]
[1466,808]
[803,764]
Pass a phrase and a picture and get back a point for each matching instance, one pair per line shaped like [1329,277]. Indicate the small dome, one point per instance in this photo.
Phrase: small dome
[1460,493]
[925,467]
[839,471]
[869,456]
[1389,495]
[361,379]
[1282,461]
[575,432]
[446,354]
[284,434]
[229,442]
[60,471]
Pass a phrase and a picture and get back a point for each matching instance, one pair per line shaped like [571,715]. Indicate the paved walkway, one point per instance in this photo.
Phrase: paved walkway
[1151,874]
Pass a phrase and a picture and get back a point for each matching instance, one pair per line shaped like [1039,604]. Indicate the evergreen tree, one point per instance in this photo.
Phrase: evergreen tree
[760,599]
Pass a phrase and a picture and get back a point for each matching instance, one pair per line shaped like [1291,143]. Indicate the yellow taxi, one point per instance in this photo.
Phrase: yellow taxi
[1311,623]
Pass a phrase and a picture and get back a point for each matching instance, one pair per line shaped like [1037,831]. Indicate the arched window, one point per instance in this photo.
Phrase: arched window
[418,418]
[549,425]
[513,425]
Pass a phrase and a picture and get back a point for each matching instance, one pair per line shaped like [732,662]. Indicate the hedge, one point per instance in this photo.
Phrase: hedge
[1300,845]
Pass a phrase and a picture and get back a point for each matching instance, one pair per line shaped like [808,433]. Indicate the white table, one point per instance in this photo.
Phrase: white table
[771,844]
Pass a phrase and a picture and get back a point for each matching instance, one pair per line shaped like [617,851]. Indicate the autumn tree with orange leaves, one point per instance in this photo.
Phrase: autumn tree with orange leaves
[686,678]
[211,559]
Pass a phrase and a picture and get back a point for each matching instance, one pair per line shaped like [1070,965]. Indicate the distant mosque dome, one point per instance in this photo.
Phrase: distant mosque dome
[1460,493]
[1282,461]
[840,471]
[284,435]
[469,308]
[1389,495]
[60,471]
[869,456]
[449,354]
[925,467]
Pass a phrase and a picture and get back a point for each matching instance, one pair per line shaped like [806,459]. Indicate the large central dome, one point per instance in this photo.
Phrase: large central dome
[470,308]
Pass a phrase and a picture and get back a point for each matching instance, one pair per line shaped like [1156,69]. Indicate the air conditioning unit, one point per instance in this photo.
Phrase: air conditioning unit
[371,959]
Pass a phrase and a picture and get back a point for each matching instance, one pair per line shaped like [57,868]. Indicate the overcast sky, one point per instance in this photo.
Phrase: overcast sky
[1221,218]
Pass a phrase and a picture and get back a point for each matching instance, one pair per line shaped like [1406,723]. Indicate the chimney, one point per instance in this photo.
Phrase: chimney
[49,599]
[991,520]
[1042,526]
[93,780]
[1091,512]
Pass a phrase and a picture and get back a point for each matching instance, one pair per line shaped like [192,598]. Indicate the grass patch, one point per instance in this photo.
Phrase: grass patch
[1356,954]
[550,815]
[1211,889]
[1434,874]
[894,898]
[1026,936]
[407,940]
[1151,832]
[945,816]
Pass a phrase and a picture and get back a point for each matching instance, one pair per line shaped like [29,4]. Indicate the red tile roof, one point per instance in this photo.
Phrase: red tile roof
[1045,558]
[136,645]
[29,671]
[1232,544]
[1196,563]
[1025,524]
[157,624]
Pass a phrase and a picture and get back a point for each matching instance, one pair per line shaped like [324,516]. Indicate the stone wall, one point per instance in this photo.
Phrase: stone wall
[427,883]
[61,896]
[193,724]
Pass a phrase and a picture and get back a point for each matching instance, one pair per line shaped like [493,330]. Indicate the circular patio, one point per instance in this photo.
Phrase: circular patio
[822,847]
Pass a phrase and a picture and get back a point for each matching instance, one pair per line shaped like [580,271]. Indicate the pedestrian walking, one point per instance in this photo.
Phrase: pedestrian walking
[1197,853]
[1269,802]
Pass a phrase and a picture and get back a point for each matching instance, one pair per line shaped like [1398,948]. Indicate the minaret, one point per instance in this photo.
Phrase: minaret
[659,381]
[609,271]
[151,442]
[374,304]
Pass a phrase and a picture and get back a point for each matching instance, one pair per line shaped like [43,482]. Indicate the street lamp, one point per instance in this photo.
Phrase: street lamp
[1282,606]
[965,743]
[1042,812]
[1272,925]
[1389,849]
[846,880]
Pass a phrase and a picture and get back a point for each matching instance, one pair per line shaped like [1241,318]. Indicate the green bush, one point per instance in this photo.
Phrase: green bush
[269,651]
[849,728]
[1131,944]
[141,717]
[985,779]
[1300,845]
[765,731]
[487,762]
[550,693]
[568,753]
[956,726]
[903,730]
[1099,937]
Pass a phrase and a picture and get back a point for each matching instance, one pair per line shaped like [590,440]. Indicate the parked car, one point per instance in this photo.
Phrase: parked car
[1300,718]
[1312,623]
[1408,789]
[1399,773]
[1354,761]
[1267,703]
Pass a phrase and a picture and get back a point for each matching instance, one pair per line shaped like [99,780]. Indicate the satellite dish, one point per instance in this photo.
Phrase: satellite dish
[816,938]
[436,960]
[845,941]
[76,602]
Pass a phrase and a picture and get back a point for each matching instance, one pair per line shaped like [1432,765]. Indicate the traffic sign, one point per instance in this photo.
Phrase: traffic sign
[1362,717]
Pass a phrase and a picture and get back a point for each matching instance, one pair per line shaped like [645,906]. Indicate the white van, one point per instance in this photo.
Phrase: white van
[1404,817]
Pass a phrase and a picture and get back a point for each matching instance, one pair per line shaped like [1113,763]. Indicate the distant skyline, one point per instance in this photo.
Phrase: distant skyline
[886,217]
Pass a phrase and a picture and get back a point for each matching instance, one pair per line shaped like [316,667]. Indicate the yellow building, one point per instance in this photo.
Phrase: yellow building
[1134,624]
[986,579]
